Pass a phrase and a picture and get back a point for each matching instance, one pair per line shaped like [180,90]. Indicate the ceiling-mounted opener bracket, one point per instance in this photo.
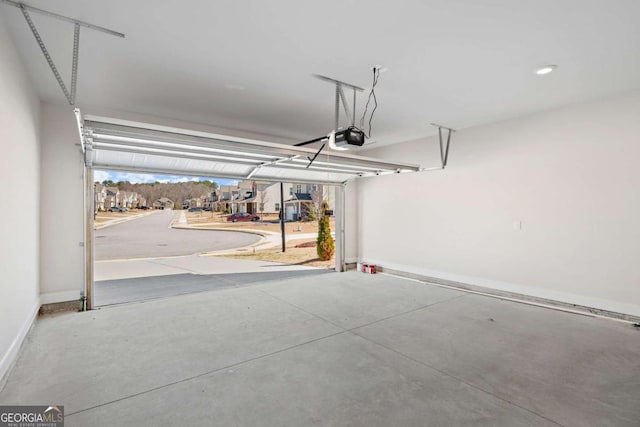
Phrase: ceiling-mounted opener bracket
[444,146]
[69,94]
[340,98]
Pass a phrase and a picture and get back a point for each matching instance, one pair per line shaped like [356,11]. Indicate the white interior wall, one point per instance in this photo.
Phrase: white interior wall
[62,219]
[571,178]
[19,204]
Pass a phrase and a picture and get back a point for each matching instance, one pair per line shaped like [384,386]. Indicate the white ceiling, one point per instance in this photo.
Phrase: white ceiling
[459,63]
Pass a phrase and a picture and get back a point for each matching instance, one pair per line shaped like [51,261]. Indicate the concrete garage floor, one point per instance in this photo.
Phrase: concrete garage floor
[332,349]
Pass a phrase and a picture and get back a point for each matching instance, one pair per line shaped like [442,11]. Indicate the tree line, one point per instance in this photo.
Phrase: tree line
[176,191]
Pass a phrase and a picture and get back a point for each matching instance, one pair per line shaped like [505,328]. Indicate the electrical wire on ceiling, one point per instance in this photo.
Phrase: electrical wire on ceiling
[372,94]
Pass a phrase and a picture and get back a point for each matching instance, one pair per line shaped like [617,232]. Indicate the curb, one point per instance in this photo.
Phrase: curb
[268,240]
[243,249]
[248,231]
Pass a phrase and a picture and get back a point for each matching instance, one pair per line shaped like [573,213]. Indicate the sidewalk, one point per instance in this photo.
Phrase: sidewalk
[269,240]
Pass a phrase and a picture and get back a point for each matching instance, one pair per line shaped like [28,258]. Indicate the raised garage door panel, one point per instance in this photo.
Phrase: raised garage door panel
[133,146]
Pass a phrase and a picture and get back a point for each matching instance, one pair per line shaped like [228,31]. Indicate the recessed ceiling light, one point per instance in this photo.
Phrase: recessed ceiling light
[546,69]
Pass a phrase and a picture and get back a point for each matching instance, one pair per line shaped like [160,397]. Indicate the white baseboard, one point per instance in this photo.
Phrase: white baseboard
[547,294]
[64,296]
[12,352]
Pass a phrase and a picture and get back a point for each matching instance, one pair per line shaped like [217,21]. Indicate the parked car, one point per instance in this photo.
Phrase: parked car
[207,209]
[243,217]
[195,209]
[117,209]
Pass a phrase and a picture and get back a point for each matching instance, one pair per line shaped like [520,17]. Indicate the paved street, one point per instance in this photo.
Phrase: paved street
[151,236]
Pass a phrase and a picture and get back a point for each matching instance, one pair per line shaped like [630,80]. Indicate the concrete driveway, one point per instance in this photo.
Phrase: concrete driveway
[123,281]
[145,259]
[152,236]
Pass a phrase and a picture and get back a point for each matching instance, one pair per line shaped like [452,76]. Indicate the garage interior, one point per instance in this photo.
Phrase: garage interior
[142,147]
[496,191]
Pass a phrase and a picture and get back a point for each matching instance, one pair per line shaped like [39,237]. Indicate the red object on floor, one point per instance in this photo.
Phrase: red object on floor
[369,268]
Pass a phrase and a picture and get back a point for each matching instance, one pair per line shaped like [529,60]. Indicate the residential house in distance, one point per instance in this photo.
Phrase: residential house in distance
[99,197]
[227,195]
[211,200]
[246,200]
[259,197]
[195,202]
[299,206]
[264,197]
[163,203]
[303,198]
[113,197]
[107,197]
[128,199]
